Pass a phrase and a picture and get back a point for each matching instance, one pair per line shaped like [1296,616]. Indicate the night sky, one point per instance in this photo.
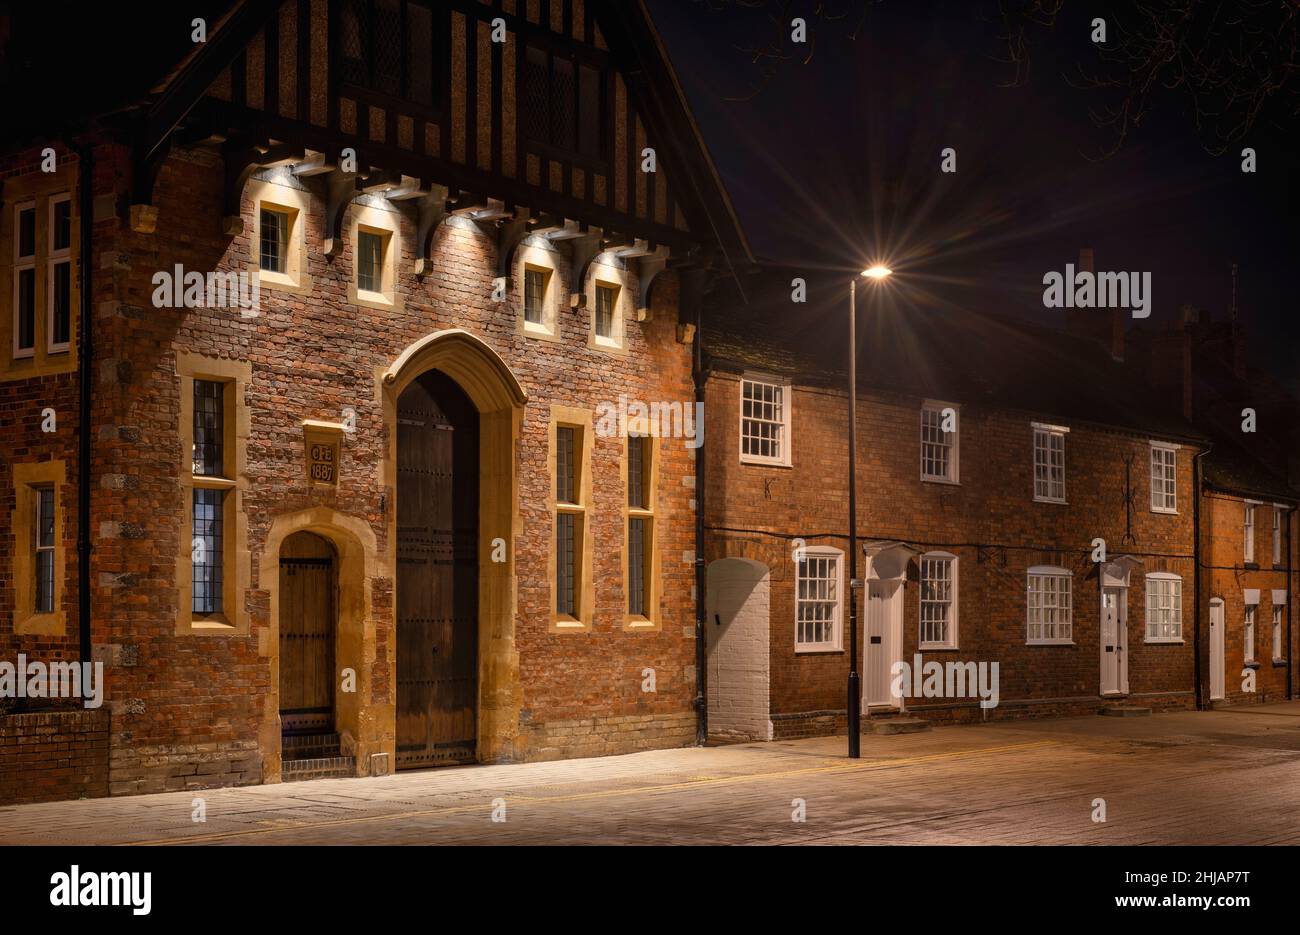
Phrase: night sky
[836,162]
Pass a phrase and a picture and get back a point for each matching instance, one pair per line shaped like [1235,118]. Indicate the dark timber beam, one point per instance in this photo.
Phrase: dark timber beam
[585,250]
[432,208]
[648,268]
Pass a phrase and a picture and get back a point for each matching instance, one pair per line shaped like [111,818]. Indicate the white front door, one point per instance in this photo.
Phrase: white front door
[882,639]
[1114,641]
[1216,649]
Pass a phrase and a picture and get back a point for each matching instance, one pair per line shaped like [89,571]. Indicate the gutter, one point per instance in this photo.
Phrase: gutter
[86,208]
[1197,474]
[699,376]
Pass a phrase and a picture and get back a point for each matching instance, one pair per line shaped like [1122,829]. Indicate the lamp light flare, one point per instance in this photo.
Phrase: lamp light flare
[878,272]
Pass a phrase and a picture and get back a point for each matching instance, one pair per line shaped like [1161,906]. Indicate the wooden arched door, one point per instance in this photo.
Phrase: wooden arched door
[437,573]
[307,634]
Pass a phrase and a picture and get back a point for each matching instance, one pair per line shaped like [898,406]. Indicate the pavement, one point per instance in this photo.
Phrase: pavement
[1229,776]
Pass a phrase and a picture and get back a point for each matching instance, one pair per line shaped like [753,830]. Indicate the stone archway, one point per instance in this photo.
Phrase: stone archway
[500,399]
[366,729]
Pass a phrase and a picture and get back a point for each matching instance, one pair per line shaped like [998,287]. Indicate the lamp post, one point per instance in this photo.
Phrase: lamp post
[878,274]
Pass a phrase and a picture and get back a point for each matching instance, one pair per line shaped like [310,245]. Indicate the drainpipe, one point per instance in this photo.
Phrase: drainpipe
[1290,693]
[86,201]
[1196,571]
[691,283]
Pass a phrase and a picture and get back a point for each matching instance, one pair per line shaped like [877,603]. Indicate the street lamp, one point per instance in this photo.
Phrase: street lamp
[877,273]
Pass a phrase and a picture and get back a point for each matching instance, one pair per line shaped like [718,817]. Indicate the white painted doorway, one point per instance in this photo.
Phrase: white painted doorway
[1114,641]
[1216,649]
[882,640]
[736,640]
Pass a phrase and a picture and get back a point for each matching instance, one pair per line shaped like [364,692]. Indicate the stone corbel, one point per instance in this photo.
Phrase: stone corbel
[143,214]
[509,236]
[340,189]
[432,208]
[242,160]
[585,250]
[648,268]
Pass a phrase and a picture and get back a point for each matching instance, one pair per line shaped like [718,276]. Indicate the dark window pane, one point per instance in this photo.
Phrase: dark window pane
[206,551]
[536,103]
[44,550]
[636,470]
[353,42]
[565,560]
[27,232]
[636,542]
[61,230]
[275,240]
[605,311]
[370,262]
[62,299]
[534,295]
[419,54]
[209,418]
[566,486]
[562,104]
[590,113]
[26,309]
[386,49]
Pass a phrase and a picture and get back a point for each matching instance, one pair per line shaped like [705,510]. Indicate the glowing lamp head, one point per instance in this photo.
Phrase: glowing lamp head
[878,272]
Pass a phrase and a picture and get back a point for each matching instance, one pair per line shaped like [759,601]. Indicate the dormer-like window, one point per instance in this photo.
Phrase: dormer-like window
[564,105]
[392,49]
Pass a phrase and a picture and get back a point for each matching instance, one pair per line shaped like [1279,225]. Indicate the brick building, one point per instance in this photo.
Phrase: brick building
[366,514]
[993,458]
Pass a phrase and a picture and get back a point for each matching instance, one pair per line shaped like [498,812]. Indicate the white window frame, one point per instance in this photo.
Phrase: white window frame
[951,641]
[1049,571]
[836,642]
[55,258]
[1154,583]
[1279,612]
[22,264]
[1249,622]
[1163,483]
[1049,432]
[951,439]
[784,445]
[1248,531]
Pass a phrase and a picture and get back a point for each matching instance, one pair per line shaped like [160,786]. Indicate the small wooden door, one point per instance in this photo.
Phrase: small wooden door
[437,574]
[306,634]
[736,641]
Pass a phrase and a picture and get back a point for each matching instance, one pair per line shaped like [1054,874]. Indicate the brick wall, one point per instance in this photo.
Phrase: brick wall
[183,701]
[989,521]
[1228,577]
[53,755]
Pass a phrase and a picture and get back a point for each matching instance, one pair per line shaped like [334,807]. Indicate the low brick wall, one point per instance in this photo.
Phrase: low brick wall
[53,755]
[142,770]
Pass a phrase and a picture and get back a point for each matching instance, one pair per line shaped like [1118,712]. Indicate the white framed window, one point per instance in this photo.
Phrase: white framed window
[1248,633]
[1248,532]
[1164,478]
[764,421]
[938,591]
[1050,605]
[1164,608]
[939,448]
[819,600]
[24,306]
[1279,515]
[1049,463]
[58,287]
[1278,612]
